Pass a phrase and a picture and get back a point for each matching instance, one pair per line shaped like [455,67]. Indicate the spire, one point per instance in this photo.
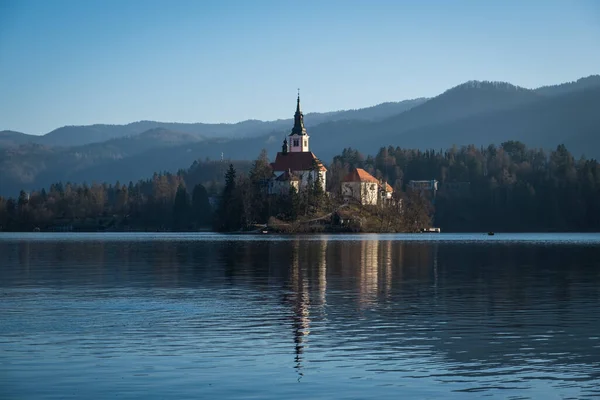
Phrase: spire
[298,103]
[298,128]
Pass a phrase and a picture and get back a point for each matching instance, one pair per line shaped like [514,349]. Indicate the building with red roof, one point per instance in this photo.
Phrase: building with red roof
[295,162]
[364,187]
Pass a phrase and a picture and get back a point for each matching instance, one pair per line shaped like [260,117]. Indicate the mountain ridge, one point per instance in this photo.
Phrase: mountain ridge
[76,135]
[475,113]
[579,84]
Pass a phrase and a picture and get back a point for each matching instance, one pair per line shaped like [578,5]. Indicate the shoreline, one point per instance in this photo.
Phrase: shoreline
[303,233]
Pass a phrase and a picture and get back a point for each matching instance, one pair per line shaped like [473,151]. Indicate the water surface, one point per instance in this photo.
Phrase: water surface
[270,317]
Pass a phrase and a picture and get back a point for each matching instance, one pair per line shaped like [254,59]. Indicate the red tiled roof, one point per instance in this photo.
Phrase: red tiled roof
[388,188]
[359,175]
[296,161]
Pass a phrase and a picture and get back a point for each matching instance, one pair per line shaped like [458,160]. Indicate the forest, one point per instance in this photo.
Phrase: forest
[500,188]
[495,188]
[175,202]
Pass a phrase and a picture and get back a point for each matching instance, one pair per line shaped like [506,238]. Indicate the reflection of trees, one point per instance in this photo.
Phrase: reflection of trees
[322,273]
[506,304]
[468,303]
[24,254]
[460,300]
[53,261]
[387,263]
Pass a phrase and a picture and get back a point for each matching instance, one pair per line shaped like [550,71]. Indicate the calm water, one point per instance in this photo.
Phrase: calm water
[363,316]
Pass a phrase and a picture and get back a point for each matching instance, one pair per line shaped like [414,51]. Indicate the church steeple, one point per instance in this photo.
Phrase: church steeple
[298,128]
[298,137]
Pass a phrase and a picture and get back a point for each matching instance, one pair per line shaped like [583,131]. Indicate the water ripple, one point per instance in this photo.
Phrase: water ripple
[216,316]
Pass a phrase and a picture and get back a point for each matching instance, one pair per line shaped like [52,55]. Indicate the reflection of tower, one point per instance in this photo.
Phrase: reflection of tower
[369,265]
[300,300]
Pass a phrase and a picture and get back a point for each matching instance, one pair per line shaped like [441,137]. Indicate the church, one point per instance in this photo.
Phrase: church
[295,165]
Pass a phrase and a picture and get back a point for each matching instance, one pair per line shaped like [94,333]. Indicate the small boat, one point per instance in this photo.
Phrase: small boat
[265,231]
[491,233]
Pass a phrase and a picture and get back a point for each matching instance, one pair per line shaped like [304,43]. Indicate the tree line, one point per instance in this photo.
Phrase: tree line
[160,203]
[501,188]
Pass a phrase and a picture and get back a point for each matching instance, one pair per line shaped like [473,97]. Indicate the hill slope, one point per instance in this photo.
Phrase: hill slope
[13,139]
[471,99]
[589,82]
[477,113]
[68,136]
[571,119]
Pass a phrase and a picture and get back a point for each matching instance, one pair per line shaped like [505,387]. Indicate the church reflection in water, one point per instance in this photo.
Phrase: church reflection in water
[307,275]
[370,269]
[458,297]
[300,298]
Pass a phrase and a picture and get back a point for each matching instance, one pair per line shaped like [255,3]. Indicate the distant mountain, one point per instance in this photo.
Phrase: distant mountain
[590,82]
[12,138]
[571,119]
[519,114]
[32,165]
[477,113]
[374,113]
[80,135]
[129,145]
[69,136]
[470,98]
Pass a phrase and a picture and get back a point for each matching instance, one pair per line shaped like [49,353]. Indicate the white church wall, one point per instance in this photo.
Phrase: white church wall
[364,192]
[304,178]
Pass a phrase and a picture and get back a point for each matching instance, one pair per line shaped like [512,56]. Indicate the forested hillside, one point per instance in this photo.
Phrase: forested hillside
[500,188]
[477,113]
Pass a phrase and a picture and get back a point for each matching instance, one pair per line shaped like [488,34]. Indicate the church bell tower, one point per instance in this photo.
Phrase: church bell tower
[298,138]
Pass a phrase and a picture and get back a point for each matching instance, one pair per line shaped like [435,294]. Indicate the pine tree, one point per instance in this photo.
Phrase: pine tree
[181,209]
[256,198]
[23,199]
[318,192]
[230,210]
[293,204]
[201,209]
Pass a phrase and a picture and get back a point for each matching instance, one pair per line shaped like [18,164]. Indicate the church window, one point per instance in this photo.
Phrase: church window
[305,143]
[296,142]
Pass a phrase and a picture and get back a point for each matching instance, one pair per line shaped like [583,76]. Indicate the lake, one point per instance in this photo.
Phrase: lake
[175,316]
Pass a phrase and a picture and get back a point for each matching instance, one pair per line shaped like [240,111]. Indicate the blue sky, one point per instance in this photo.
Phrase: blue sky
[118,61]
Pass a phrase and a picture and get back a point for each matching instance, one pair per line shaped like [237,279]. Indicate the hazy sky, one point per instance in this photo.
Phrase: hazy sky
[84,61]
